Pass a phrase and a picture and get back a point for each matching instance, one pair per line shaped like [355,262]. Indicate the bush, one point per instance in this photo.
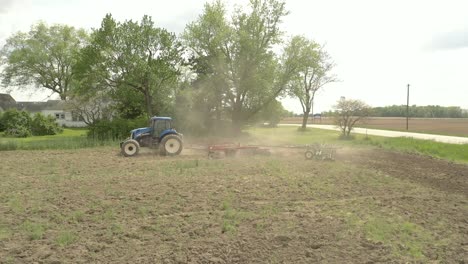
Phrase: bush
[2,126]
[44,125]
[16,123]
[18,131]
[116,129]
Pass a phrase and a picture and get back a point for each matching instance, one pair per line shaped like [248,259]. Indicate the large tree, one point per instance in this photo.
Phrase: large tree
[235,57]
[42,57]
[313,71]
[132,57]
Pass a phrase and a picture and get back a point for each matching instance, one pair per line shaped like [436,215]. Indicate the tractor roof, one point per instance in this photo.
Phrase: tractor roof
[160,118]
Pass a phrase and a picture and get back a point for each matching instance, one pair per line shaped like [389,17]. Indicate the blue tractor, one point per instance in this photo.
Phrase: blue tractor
[160,134]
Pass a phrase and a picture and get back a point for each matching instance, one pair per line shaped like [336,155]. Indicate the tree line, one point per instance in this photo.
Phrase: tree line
[429,111]
[224,70]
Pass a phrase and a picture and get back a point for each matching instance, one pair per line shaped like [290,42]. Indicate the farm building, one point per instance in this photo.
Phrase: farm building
[6,102]
[55,108]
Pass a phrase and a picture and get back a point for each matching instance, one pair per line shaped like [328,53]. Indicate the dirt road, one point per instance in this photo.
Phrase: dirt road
[389,133]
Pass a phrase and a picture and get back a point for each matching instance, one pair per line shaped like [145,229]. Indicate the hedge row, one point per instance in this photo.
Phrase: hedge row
[116,129]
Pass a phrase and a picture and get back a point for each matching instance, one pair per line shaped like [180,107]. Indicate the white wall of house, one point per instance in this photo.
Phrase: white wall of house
[64,118]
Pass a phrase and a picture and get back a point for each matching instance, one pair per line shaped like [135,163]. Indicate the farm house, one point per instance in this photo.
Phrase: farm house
[55,108]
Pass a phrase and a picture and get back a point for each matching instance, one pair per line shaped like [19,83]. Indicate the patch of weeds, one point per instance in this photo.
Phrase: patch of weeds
[112,192]
[181,167]
[8,145]
[265,214]
[9,260]
[57,218]
[143,211]
[273,168]
[188,164]
[65,238]
[346,137]
[153,228]
[51,176]
[16,205]
[231,217]
[5,233]
[405,238]
[34,231]
[115,230]
[260,226]
[166,227]
[108,214]
[77,216]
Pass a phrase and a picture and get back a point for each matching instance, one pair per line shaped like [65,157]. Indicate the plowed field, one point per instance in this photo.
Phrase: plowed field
[367,206]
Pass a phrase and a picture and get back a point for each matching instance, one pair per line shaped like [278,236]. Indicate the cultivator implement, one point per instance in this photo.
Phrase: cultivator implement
[320,152]
[313,151]
[230,149]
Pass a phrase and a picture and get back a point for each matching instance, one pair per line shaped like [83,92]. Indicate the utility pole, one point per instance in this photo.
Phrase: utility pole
[407,108]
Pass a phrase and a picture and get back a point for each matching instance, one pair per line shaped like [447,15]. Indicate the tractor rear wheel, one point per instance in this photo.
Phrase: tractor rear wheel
[171,145]
[130,148]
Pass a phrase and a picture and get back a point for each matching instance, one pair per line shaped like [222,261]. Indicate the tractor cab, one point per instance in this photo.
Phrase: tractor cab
[160,126]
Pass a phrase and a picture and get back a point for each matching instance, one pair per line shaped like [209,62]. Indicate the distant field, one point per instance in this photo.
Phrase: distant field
[443,126]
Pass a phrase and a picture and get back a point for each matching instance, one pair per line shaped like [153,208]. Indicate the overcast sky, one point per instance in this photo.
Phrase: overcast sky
[378,46]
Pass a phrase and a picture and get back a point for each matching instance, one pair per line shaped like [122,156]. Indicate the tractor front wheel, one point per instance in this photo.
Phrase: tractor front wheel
[130,148]
[171,145]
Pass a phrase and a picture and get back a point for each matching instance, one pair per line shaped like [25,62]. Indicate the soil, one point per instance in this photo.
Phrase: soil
[432,172]
[242,209]
[443,126]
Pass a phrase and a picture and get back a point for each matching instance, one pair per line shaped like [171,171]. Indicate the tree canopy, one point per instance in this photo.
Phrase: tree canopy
[128,59]
[313,70]
[227,67]
[43,57]
[235,58]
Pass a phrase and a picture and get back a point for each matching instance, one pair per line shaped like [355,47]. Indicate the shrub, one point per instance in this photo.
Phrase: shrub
[18,131]
[16,123]
[116,129]
[2,126]
[44,125]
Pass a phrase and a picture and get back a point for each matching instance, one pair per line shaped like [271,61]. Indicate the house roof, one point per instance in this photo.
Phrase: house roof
[6,101]
[57,105]
[30,106]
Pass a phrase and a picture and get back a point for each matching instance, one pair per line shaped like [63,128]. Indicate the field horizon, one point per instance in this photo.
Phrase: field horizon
[439,126]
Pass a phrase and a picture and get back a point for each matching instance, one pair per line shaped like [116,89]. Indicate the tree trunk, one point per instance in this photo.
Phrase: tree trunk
[305,118]
[149,104]
[63,97]
[236,120]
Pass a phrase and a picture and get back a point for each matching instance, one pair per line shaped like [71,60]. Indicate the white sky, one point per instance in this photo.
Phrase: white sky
[379,46]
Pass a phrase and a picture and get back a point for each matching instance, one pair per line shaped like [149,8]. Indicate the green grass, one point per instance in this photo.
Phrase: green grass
[5,232]
[232,217]
[402,237]
[291,135]
[69,139]
[34,231]
[453,152]
[65,238]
